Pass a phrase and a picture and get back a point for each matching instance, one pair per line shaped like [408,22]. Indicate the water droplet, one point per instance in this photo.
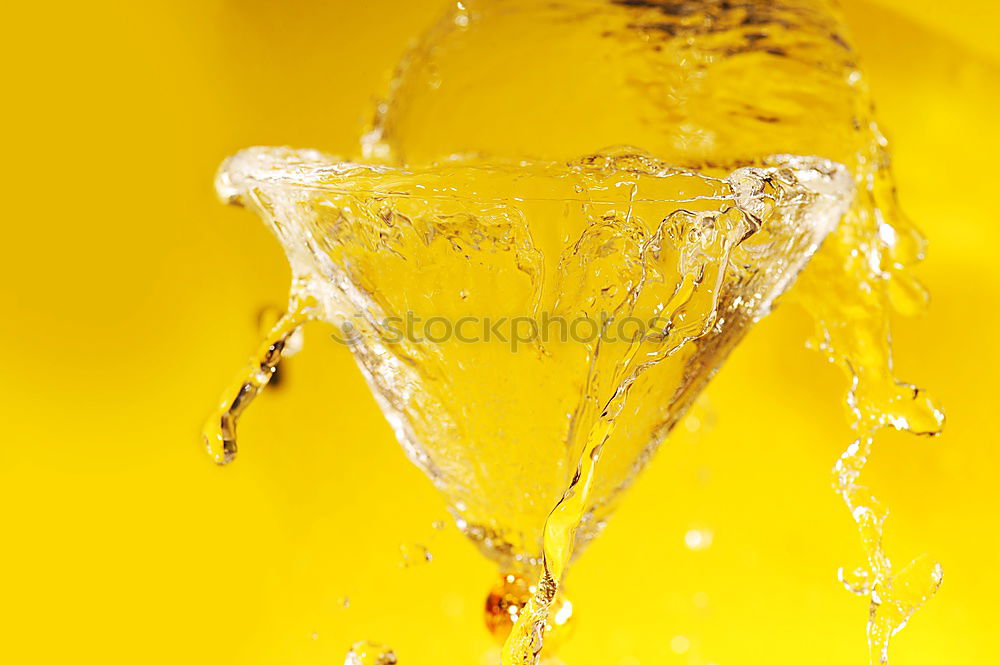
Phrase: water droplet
[856,581]
[414,554]
[698,539]
[370,653]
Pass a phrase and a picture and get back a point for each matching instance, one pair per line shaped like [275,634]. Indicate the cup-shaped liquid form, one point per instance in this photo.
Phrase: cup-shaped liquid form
[693,82]
[499,309]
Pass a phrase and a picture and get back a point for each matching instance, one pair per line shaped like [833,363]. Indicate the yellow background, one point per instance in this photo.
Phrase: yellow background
[128,297]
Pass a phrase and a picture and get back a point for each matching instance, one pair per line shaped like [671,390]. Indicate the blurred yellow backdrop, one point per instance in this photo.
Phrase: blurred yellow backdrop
[129,296]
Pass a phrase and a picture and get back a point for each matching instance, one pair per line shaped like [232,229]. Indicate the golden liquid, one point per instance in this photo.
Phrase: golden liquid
[796,89]
[511,597]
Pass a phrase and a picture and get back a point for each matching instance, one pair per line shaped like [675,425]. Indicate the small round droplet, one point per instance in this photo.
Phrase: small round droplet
[414,554]
[698,539]
[370,653]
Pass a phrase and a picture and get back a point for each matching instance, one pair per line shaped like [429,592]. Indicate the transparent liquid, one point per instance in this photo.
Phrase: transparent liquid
[701,83]
[533,446]
[589,252]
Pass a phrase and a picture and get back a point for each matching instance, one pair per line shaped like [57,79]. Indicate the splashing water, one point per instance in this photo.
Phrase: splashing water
[701,82]
[870,256]
[511,596]
[692,259]
[219,434]
[703,236]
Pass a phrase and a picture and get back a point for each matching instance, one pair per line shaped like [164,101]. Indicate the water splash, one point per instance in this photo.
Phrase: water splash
[219,433]
[700,82]
[720,86]
[709,253]
[509,598]
[862,274]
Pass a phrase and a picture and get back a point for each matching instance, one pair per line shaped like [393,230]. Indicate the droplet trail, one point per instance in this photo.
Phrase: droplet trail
[219,433]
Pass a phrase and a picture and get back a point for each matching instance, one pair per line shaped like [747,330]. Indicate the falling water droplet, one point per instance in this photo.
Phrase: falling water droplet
[414,554]
[698,539]
[370,653]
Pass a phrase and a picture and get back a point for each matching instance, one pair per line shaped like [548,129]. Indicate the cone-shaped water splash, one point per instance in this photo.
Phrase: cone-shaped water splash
[699,82]
[496,309]
[533,329]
